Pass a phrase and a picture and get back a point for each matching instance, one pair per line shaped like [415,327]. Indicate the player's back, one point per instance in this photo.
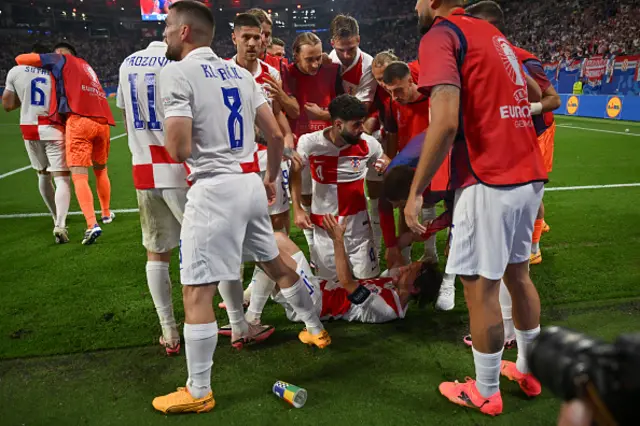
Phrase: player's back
[222,99]
[139,96]
[33,87]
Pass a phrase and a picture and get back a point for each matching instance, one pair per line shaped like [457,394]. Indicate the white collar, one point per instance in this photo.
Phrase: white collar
[204,51]
[157,44]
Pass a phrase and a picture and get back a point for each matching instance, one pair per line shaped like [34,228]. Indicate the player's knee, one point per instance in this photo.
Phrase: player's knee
[43,172]
[99,166]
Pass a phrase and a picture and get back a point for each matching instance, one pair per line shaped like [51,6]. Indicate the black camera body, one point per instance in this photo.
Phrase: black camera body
[607,376]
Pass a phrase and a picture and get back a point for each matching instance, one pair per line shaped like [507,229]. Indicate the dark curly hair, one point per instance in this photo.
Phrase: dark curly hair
[427,284]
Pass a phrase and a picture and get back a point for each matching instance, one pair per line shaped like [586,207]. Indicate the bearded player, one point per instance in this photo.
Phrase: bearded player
[338,158]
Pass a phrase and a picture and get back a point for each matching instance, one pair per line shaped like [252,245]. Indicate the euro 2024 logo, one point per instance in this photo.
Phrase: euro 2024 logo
[92,75]
[512,66]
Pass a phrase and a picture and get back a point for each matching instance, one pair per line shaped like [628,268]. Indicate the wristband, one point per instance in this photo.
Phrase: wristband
[360,295]
[536,108]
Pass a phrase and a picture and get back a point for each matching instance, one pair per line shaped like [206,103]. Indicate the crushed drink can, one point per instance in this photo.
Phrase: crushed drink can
[293,394]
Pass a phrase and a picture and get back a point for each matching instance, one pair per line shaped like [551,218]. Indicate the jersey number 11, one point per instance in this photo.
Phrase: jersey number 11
[138,123]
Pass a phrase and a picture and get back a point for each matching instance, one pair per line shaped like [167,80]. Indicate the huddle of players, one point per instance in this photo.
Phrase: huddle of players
[213,112]
[327,180]
[66,130]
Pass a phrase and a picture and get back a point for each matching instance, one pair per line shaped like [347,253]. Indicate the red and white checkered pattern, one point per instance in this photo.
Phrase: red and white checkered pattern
[264,70]
[338,174]
[33,86]
[357,78]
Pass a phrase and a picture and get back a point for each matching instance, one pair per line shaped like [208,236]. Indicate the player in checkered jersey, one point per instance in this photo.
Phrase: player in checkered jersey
[161,183]
[358,80]
[247,39]
[339,157]
[30,89]
[374,300]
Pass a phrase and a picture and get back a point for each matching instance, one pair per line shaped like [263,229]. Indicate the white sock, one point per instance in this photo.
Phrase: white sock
[62,199]
[535,248]
[524,339]
[507,318]
[262,288]
[200,341]
[406,254]
[231,292]
[48,192]
[299,299]
[430,250]
[246,294]
[375,224]
[159,284]
[487,372]
[448,280]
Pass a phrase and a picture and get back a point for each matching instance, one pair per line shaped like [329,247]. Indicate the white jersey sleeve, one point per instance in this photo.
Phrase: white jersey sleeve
[304,148]
[375,149]
[11,79]
[177,93]
[120,96]
[258,95]
[367,88]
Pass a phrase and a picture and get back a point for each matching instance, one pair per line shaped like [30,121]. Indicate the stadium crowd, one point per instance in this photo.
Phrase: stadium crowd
[552,30]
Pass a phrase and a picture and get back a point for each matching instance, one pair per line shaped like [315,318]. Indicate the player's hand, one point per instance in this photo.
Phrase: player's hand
[274,88]
[412,213]
[313,111]
[334,229]
[301,219]
[296,161]
[394,257]
[381,165]
[326,60]
[270,187]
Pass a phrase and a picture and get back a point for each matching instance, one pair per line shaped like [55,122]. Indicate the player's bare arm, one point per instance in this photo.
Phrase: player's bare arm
[268,125]
[10,101]
[550,101]
[445,107]
[314,112]
[178,137]
[300,217]
[286,131]
[343,270]
[533,89]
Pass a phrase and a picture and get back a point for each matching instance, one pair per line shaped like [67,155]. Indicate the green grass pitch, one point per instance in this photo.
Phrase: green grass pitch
[78,331]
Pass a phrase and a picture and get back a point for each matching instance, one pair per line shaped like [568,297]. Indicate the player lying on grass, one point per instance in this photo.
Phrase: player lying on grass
[375,300]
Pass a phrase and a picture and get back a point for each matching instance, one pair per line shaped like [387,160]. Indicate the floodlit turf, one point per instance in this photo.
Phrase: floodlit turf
[78,330]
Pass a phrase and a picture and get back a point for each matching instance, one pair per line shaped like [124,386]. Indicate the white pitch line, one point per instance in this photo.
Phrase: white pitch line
[22,169]
[598,130]
[13,172]
[26,215]
[578,188]
[557,188]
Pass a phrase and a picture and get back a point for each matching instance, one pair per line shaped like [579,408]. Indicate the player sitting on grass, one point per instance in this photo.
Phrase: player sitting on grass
[375,300]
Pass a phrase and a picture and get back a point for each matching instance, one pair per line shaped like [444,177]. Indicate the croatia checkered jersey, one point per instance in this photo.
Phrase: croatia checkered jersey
[33,87]
[139,97]
[222,100]
[357,78]
[264,70]
[337,174]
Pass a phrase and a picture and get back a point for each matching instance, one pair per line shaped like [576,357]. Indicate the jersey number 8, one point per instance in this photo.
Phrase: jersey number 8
[235,123]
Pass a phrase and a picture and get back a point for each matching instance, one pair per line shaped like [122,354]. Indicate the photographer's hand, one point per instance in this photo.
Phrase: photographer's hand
[575,413]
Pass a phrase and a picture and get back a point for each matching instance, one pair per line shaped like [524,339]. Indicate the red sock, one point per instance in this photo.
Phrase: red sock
[103,185]
[85,198]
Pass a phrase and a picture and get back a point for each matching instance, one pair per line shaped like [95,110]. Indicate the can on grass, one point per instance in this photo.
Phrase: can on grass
[293,394]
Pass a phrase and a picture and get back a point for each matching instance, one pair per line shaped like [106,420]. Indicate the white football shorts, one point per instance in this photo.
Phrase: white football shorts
[492,227]
[358,240]
[161,212]
[281,204]
[225,223]
[47,155]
